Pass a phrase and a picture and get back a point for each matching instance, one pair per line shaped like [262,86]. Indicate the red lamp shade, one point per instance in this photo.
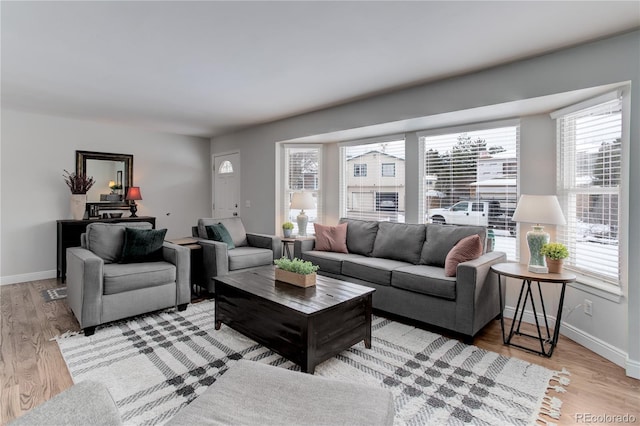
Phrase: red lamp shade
[134,193]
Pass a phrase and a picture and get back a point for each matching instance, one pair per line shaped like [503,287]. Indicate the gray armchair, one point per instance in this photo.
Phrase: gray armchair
[251,250]
[100,290]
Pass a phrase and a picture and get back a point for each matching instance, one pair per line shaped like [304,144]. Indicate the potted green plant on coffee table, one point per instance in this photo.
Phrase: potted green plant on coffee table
[555,253]
[297,272]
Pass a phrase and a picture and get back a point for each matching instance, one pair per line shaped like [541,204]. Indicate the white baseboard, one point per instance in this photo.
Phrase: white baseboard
[33,276]
[633,368]
[602,348]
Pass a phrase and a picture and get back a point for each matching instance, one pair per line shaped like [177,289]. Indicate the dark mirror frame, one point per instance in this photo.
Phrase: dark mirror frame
[81,168]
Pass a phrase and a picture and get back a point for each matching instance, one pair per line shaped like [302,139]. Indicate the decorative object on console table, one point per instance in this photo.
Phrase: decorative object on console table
[555,253]
[79,184]
[297,272]
[133,194]
[538,209]
[302,200]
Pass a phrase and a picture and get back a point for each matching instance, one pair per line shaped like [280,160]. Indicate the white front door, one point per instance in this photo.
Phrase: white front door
[226,185]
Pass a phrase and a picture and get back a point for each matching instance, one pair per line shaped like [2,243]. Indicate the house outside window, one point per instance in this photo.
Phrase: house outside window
[370,192]
[589,182]
[470,178]
[359,170]
[388,169]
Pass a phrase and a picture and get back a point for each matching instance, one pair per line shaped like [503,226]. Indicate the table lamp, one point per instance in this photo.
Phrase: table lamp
[538,209]
[302,200]
[133,194]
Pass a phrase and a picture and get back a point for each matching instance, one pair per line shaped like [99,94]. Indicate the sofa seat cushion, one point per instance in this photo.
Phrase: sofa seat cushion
[329,262]
[399,241]
[442,238]
[372,269]
[424,279]
[248,257]
[119,278]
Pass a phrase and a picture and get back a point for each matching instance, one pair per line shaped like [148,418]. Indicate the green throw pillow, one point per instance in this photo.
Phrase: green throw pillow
[142,245]
[218,232]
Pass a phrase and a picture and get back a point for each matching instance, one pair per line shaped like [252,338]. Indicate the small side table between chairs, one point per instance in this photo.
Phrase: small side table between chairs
[519,271]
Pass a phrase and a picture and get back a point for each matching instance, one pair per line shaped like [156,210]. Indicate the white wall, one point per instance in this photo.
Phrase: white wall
[171,170]
[604,62]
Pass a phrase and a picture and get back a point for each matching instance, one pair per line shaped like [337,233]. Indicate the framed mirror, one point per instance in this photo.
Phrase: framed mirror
[113,175]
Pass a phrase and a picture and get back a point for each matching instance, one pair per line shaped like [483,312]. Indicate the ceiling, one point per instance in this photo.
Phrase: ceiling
[208,68]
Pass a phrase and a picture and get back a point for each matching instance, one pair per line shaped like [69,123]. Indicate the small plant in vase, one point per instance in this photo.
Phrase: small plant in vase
[555,253]
[296,271]
[287,228]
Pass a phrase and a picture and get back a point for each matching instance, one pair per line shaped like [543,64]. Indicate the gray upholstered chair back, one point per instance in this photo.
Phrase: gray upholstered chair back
[233,224]
[106,239]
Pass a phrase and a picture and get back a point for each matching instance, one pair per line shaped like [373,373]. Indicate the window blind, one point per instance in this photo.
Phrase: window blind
[589,171]
[373,181]
[470,178]
[302,174]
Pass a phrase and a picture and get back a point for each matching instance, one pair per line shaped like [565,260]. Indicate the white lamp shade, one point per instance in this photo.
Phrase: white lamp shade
[302,200]
[541,209]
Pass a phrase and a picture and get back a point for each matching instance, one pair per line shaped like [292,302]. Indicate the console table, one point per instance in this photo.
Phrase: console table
[69,232]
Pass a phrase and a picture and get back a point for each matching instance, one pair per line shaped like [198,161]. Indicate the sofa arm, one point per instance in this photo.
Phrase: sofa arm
[181,258]
[271,242]
[300,246]
[477,295]
[85,285]
[215,259]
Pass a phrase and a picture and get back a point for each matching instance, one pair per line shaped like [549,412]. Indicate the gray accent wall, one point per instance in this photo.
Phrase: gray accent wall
[614,329]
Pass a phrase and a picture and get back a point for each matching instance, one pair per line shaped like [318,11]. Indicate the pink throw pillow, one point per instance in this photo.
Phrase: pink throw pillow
[466,249]
[331,238]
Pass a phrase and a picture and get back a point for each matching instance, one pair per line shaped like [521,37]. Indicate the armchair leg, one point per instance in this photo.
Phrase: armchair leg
[89,331]
[182,307]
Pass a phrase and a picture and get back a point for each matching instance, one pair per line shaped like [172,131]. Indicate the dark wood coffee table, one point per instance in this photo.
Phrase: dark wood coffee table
[305,325]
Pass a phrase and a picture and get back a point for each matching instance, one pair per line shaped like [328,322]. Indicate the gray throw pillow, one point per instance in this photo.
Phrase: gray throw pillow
[142,245]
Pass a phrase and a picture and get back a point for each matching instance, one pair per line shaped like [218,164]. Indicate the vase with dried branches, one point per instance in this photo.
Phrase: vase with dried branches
[79,185]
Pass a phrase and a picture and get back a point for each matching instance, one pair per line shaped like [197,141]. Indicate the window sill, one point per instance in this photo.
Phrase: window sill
[598,288]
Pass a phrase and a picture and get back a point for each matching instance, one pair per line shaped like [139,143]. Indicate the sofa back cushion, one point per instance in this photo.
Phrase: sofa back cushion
[441,239]
[106,240]
[233,224]
[399,241]
[361,234]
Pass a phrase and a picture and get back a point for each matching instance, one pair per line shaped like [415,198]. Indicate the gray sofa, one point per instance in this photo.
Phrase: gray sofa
[405,264]
[100,290]
[251,250]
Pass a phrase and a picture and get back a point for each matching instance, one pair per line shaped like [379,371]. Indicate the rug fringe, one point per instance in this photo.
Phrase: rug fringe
[551,405]
[64,335]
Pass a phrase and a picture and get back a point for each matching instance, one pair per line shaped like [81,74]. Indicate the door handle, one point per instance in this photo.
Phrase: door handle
[236,205]
[235,213]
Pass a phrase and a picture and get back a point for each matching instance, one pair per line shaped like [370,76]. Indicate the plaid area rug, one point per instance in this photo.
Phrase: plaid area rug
[156,364]
[51,294]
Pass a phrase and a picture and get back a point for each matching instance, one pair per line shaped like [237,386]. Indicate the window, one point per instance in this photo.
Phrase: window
[302,172]
[225,168]
[359,170]
[589,171]
[480,167]
[388,169]
[380,194]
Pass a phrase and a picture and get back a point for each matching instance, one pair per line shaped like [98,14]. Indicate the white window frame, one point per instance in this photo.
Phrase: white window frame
[286,191]
[593,282]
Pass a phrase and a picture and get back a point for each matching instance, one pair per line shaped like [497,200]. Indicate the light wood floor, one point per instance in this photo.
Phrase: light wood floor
[32,369]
